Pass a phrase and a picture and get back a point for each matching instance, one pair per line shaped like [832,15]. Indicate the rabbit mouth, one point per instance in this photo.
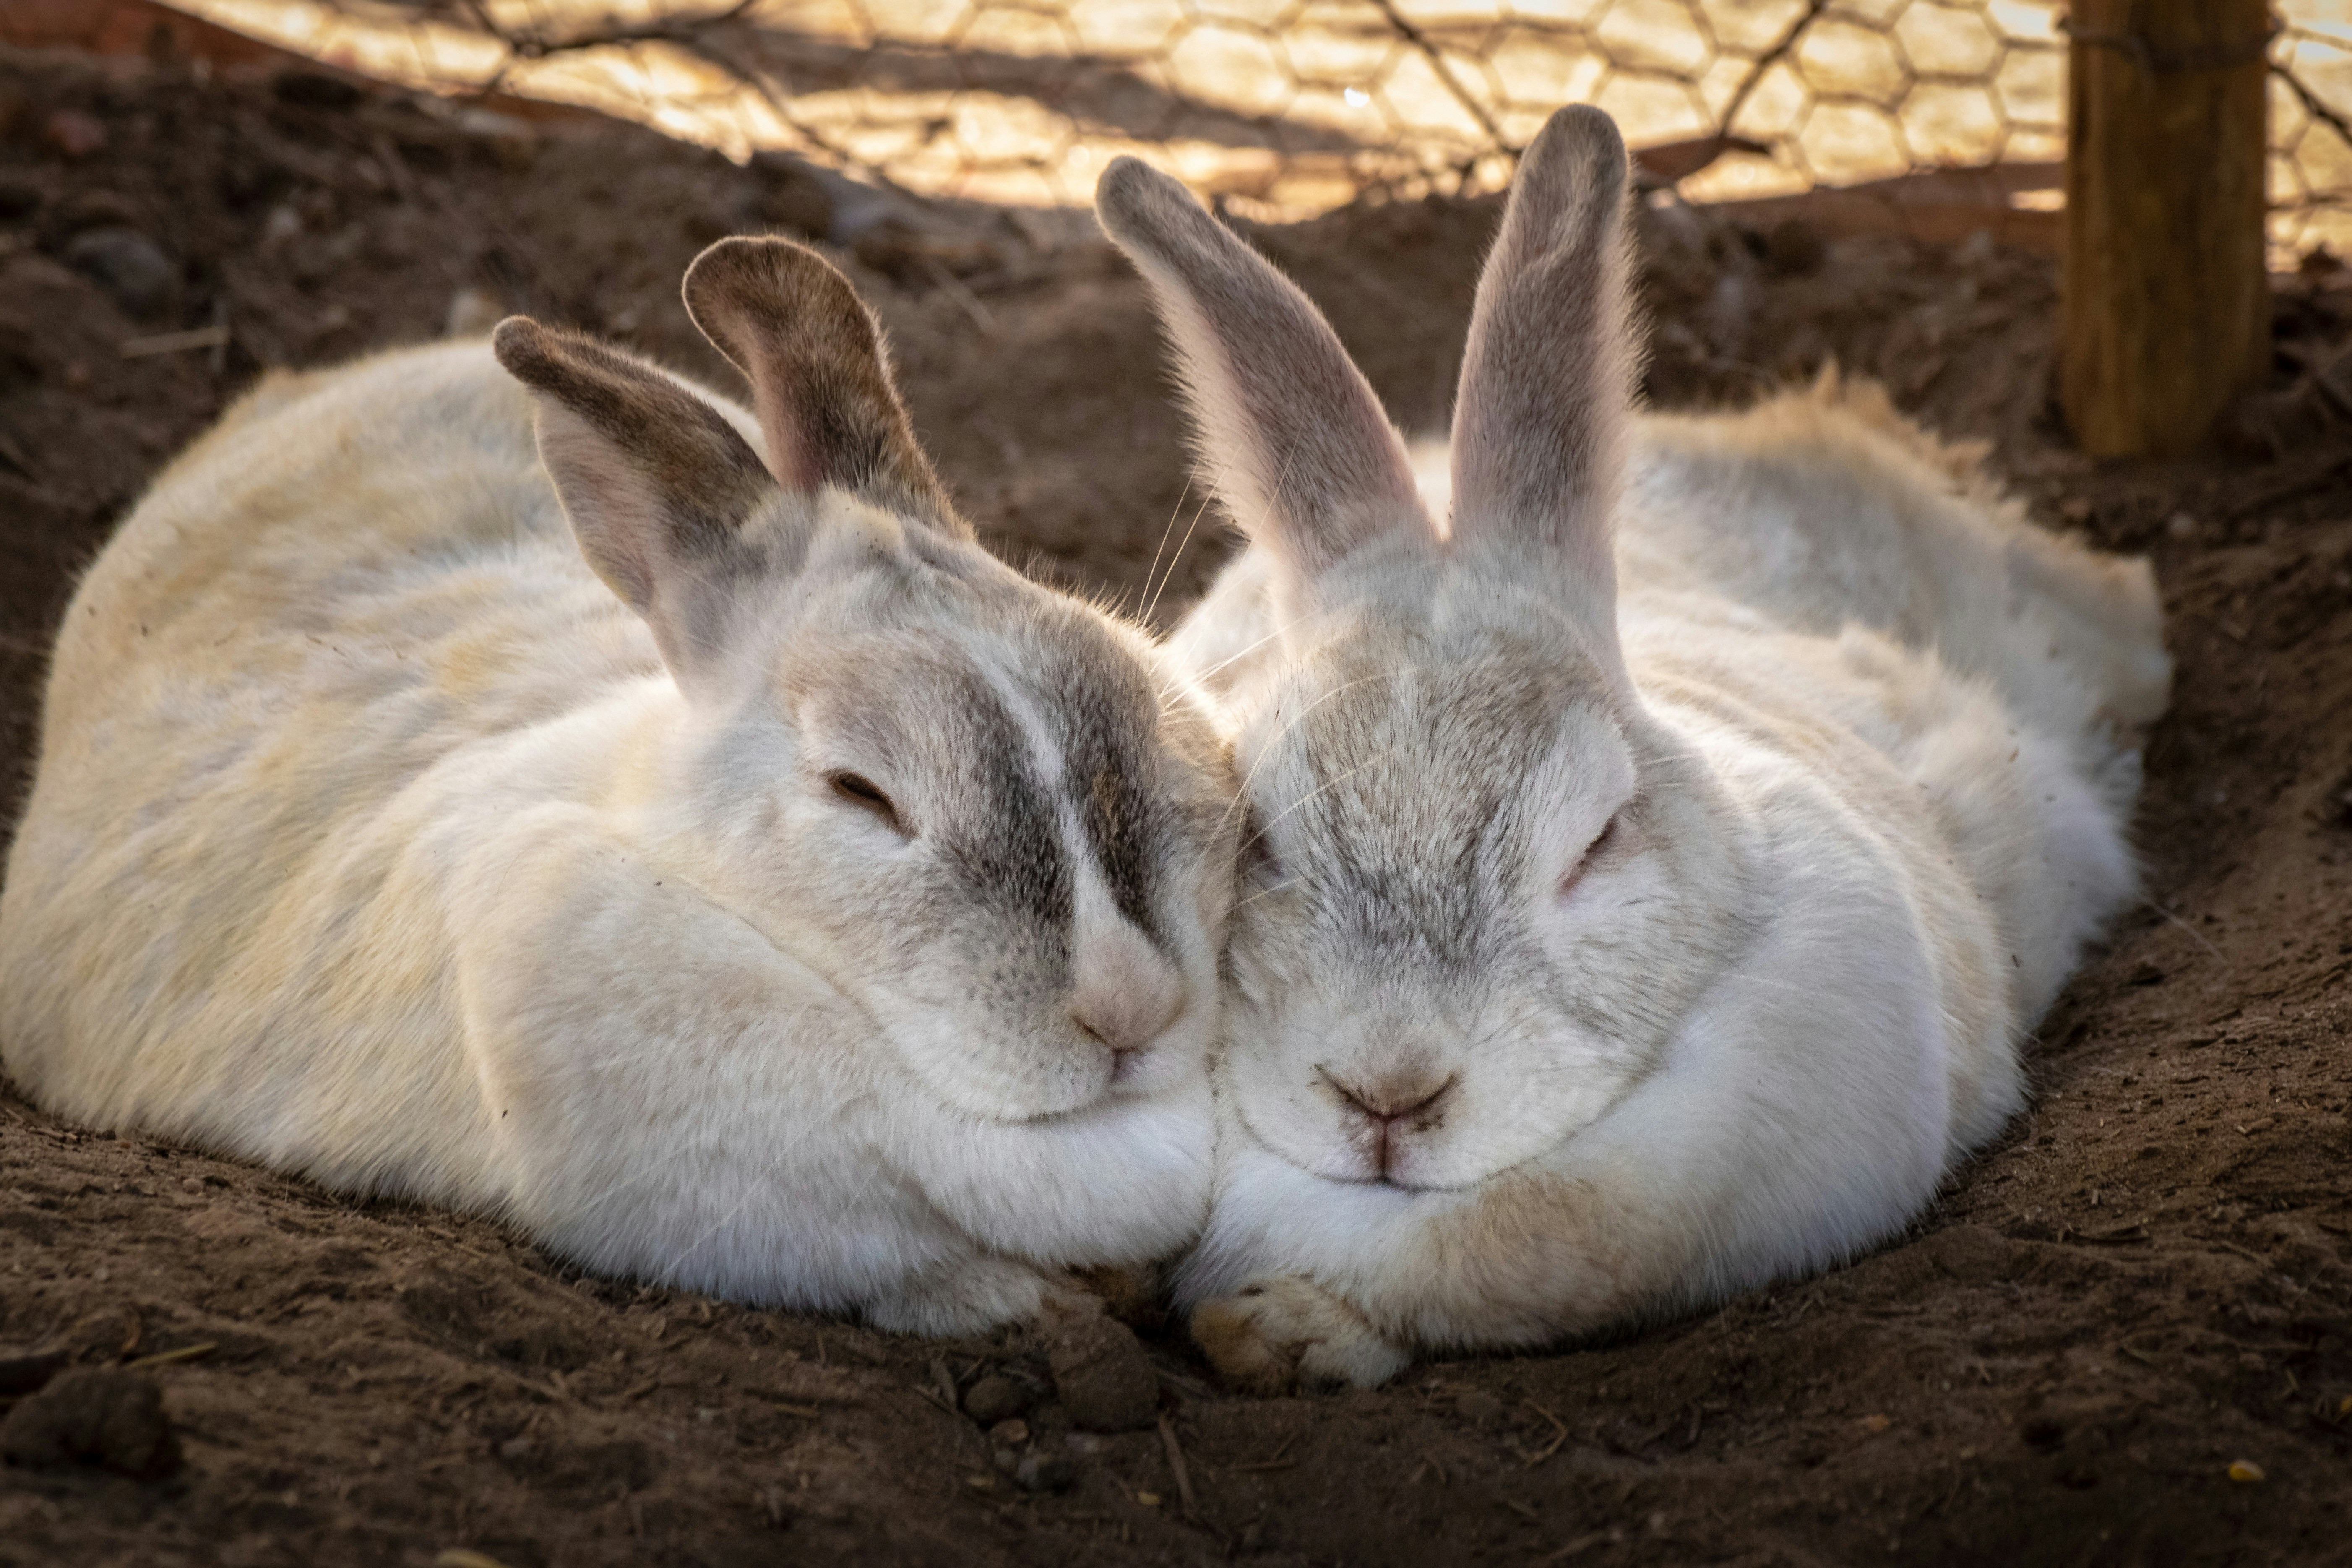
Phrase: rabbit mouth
[1344,1158]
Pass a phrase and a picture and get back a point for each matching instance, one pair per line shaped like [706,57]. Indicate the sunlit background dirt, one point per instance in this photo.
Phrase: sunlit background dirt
[1292,107]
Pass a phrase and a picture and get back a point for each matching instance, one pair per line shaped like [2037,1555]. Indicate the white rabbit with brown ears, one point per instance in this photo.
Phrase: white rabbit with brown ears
[1625,921]
[672,833]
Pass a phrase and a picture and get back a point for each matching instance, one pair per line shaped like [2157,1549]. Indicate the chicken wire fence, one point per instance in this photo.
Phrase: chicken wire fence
[1292,107]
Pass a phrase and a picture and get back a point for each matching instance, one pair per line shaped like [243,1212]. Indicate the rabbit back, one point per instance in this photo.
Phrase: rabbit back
[1823,507]
[314,609]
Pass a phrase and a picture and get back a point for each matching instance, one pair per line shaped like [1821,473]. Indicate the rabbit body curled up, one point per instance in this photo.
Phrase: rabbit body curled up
[812,910]
[1656,852]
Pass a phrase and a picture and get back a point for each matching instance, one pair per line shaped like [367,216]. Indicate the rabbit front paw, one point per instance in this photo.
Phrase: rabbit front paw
[975,1294]
[1277,1333]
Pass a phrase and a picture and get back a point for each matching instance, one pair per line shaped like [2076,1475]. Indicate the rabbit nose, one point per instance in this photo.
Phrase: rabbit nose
[1390,1100]
[1123,992]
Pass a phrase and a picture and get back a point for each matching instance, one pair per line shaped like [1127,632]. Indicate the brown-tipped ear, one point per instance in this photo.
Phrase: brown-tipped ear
[1547,386]
[656,483]
[1292,439]
[820,378]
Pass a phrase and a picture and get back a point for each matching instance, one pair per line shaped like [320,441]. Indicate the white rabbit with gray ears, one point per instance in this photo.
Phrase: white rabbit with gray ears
[1625,921]
[673,833]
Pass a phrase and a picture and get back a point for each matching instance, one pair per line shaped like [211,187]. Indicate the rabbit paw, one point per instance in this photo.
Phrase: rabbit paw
[1277,1333]
[973,1295]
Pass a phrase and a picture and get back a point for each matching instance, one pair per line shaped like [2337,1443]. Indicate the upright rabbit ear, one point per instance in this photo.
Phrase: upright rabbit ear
[820,381]
[662,493]
[1546,385]
[1292,439]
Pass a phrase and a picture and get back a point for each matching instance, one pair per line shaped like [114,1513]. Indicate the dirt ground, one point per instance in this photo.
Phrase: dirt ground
[2143,1285]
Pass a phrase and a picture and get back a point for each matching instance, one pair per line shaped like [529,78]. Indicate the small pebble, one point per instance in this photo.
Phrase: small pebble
[1012,1433]
[283,225]
[127,264]
[994,1399]
[1105,1380]
[97,1415]
[2246,1470]
[1044,1473]
[75,134]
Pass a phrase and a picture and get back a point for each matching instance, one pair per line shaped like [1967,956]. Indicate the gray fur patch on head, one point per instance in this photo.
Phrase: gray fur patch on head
[1105,719]
[1413,773]
[1010,857]
[1027,720]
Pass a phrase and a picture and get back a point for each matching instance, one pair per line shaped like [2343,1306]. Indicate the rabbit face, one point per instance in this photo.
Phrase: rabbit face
[979,809]
[1482,891]
[1482,883]
[1018,855]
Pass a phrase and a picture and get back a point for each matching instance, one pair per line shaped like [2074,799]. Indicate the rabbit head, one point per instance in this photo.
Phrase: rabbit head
[1479,884]
[978,807]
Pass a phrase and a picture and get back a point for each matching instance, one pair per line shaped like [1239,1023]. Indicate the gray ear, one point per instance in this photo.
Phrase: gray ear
[657,485]
[1547,386]
[1292,437]
[820,382]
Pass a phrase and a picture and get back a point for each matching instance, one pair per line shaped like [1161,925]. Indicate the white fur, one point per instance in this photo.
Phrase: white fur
[373,840]
[1871,761]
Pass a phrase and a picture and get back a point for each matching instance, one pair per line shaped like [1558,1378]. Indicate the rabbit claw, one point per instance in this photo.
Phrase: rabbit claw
[1279,1334]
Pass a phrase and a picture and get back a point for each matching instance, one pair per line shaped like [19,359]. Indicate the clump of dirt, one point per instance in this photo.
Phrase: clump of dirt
[2125,1335]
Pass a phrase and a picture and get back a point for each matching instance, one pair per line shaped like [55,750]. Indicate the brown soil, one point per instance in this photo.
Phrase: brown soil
[2144,1283]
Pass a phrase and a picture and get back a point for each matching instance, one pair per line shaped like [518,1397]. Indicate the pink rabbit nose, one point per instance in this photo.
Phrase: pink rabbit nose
[1123,992]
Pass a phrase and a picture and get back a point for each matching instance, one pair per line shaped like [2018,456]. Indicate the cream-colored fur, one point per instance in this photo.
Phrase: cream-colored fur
[373,839]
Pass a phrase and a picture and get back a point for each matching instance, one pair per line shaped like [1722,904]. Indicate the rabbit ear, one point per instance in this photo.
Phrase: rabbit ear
[1292,439]
[820,381]
[657,485]
[1547,383]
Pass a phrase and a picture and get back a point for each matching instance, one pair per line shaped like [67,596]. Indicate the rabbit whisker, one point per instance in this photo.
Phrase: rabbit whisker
[1267,892]
[1150,571]
[1181,546]
[1235,657]
[1267,753]
[1325,787]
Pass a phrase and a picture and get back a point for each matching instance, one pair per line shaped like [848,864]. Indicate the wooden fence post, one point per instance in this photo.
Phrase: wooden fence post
[2166,291]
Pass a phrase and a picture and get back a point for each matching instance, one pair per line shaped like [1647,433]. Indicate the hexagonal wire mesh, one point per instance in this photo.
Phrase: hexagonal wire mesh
[1290,107]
